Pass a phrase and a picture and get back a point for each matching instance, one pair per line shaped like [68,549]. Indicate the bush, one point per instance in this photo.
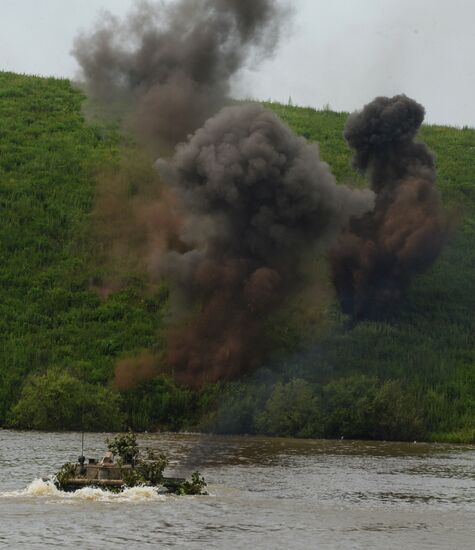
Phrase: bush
[159,404]
[358,407]
[236,410]
[349,407]
[57,400]
[396,415]
[292,410]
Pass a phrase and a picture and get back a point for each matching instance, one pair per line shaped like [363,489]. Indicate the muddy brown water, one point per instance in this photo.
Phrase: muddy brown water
[264,493]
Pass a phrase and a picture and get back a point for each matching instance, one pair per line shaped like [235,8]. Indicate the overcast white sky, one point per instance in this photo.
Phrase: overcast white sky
[340,52]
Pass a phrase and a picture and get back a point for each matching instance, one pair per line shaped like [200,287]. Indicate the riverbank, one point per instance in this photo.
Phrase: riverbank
[68,313]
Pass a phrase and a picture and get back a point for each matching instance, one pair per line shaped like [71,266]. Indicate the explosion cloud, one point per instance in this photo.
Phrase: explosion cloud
[376,258]
[245,199]
[257,199]
[169,65]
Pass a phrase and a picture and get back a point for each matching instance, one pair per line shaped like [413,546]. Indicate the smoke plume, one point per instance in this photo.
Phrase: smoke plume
[131,371]
[245,201]
[375,259]
[169,65]
[257,199]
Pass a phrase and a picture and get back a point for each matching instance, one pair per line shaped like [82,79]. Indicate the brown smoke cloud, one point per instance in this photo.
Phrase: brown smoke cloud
[131,371]
[376,258]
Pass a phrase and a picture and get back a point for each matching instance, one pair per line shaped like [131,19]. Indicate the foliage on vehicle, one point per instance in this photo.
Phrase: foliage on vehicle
[67,472]
[196,486]
[146,471]
[124,446]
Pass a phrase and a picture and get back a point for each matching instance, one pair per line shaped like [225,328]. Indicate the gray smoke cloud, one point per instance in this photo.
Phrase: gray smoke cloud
[257,200]
[169,65]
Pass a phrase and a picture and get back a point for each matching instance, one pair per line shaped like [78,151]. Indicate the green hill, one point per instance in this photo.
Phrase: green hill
[59,340]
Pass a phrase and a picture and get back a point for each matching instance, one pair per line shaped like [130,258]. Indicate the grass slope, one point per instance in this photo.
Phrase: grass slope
[52,322]
[431,347]
[48,315]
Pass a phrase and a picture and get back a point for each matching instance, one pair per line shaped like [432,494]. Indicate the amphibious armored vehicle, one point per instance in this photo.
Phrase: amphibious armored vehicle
[107,475]
[123,466]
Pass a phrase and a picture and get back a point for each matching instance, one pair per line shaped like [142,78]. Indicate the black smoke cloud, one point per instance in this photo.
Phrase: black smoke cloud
[169,65]
[257,199]
[375,259]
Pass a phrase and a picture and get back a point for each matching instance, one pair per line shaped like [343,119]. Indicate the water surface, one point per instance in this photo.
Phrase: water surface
[264,493]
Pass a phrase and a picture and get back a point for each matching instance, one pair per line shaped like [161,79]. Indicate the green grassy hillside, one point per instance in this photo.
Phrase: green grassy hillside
[49,317]
[59,340]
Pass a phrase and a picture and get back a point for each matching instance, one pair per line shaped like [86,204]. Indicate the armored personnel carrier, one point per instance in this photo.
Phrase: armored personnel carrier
[124,466]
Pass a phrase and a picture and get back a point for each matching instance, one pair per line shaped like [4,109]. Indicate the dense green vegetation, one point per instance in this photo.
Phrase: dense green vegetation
[49,317]
[411,377]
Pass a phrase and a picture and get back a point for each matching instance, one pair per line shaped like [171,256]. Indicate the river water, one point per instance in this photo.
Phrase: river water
[264,494]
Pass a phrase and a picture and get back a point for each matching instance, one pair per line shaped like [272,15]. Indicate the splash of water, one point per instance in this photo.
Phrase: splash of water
[39,488]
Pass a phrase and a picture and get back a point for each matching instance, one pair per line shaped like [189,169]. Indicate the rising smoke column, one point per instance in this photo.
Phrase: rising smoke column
[258,199]
[169,65]
[375,260]
[245,200]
